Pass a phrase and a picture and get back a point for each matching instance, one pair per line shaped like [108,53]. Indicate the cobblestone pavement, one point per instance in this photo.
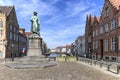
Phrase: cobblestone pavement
[64,71]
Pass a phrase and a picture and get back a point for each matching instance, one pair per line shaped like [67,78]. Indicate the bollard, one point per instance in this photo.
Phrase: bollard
[88,61]
[108,67]
[54,58]
[101,64]
[118,69]
[95,63]
[91,62]
[85,61]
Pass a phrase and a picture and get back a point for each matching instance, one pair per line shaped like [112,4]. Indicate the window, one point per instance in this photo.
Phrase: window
[89,39]
[1,23]
[14,29]
[93,45]
[113,26]
[14,36]
[107,58]
[119,21]
[106,27]
[113,43]
[1,43]
[96,32]
[11,35]
[101,30]
[96,45]
[1,33]
[106,44]
[17,38]
[113,58]
[10,27]
[93,33]
[107,11]
[119,42]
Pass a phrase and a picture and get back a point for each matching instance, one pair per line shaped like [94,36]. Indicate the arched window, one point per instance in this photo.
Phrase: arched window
[1,23]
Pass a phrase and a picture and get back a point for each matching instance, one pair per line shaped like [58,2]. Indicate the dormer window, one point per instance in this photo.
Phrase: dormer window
[107,11]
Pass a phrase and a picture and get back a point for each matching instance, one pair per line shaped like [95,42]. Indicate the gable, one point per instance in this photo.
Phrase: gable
[13,18]
[6,9]
[108,9]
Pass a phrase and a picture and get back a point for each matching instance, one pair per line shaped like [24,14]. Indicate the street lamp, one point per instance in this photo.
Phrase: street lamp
[5,44]
[96,53]
[76,55]
[12,55]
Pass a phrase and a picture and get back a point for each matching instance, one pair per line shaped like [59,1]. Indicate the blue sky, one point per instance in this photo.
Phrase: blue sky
[61,21]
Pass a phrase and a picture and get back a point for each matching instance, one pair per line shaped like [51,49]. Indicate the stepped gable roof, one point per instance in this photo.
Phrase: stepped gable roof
[6,9]
[115,3]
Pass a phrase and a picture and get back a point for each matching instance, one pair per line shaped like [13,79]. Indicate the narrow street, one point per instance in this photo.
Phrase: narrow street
[64,71]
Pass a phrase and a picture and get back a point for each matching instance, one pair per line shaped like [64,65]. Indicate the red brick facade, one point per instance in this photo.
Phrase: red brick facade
[106,42]
[88,36]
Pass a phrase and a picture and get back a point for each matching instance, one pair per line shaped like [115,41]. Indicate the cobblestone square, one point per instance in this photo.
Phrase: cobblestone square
[63,71]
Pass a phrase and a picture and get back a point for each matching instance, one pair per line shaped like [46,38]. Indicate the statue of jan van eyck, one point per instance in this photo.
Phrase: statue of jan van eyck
[35,25]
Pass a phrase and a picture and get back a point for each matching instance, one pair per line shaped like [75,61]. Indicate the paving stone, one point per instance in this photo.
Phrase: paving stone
[63,71]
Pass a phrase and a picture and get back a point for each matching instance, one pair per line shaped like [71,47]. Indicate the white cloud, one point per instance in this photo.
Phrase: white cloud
[75,9]
[25,8]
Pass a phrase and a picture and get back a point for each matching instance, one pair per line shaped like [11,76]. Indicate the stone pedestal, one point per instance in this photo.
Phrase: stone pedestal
[35,44]
[34,57]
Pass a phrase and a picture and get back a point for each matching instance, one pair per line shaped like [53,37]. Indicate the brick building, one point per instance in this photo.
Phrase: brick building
[12,38]
[9,30]
[88,35]
[95,38]
[22,42]
[27,34]
[108,37]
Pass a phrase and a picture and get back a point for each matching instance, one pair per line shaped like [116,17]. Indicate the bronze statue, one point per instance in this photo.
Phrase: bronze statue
[35,26]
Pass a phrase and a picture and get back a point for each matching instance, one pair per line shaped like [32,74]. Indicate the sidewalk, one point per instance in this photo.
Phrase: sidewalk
[104,70]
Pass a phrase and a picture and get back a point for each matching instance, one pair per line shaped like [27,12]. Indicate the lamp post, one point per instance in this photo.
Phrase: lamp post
[12,55]
[96,53]
[5,44]
[76,55]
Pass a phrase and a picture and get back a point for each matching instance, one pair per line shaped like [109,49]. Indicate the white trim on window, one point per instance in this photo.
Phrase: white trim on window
[113,24]
[113,43]
[106,44]
[106,27]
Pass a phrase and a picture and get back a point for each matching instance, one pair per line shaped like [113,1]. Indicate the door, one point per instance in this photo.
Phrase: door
[101,43]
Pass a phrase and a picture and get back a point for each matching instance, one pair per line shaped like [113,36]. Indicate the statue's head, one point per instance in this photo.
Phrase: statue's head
[35,13]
